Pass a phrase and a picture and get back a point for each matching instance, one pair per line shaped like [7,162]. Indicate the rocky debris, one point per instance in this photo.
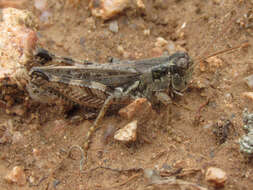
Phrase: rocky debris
[43,7]
[11,3]
[40,4]
[9,133]
[166,46]
[160,46]
[152,175]
[122,52]
[134,108]
[146,32]
[140,4]
[249,81]
[16,175]
[45,16]
[107,9]
[114,27]
[128,133]
[17,138]
[246,21]
[17,38]
[246,141]
[247,120]
[161,42]
[246,144]
[248,95]
[17,42]
[36,152]
[216,176]
[211,64]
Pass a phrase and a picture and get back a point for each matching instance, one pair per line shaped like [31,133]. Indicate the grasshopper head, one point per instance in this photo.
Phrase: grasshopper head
[181,69]
[38,77]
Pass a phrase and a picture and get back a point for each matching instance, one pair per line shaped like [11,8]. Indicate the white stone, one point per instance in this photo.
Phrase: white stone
[114,27]
[127,133]
[160,42]
[248,95]
[40,4]
[217,176]
[107,9]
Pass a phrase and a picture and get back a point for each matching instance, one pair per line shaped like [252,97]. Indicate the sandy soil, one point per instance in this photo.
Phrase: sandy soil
[180,136]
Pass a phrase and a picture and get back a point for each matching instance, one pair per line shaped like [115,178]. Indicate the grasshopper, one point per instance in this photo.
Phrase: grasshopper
[105,87]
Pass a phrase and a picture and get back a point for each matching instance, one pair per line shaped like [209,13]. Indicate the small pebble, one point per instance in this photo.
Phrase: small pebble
[140,4]
[228,97]
[122,52]
[135,107]
[152,175]
[246,144]
[31,179]
[17,175]
[17,138]
[114,27]
[40,4]
[18,40]
[214,63]
[36,152]
[211,64]
[247,120]
[161,42]
[146,32]
[249,81]
[55,183]
[107,9]
[248,95]
[45,16]
[216,176]
[127,133]
[90,23]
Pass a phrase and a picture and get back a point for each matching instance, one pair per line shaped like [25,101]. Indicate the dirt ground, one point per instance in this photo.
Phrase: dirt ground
[180,137]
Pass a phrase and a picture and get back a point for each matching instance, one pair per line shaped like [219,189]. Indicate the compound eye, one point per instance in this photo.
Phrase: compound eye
[178,82]
[159,72]
[182,63]
[38,77]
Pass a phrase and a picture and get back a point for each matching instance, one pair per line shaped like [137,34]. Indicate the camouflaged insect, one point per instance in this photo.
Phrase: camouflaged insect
[107,86]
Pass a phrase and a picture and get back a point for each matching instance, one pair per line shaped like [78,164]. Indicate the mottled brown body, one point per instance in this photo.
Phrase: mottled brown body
[106,87]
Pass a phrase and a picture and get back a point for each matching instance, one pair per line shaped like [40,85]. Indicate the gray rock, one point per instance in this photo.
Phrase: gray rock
[247,120]
[246,144]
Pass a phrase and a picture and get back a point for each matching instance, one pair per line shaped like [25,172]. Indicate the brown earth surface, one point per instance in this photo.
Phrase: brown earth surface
[180,137]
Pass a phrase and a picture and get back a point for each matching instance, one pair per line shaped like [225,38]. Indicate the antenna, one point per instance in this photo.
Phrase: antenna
[200,59]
